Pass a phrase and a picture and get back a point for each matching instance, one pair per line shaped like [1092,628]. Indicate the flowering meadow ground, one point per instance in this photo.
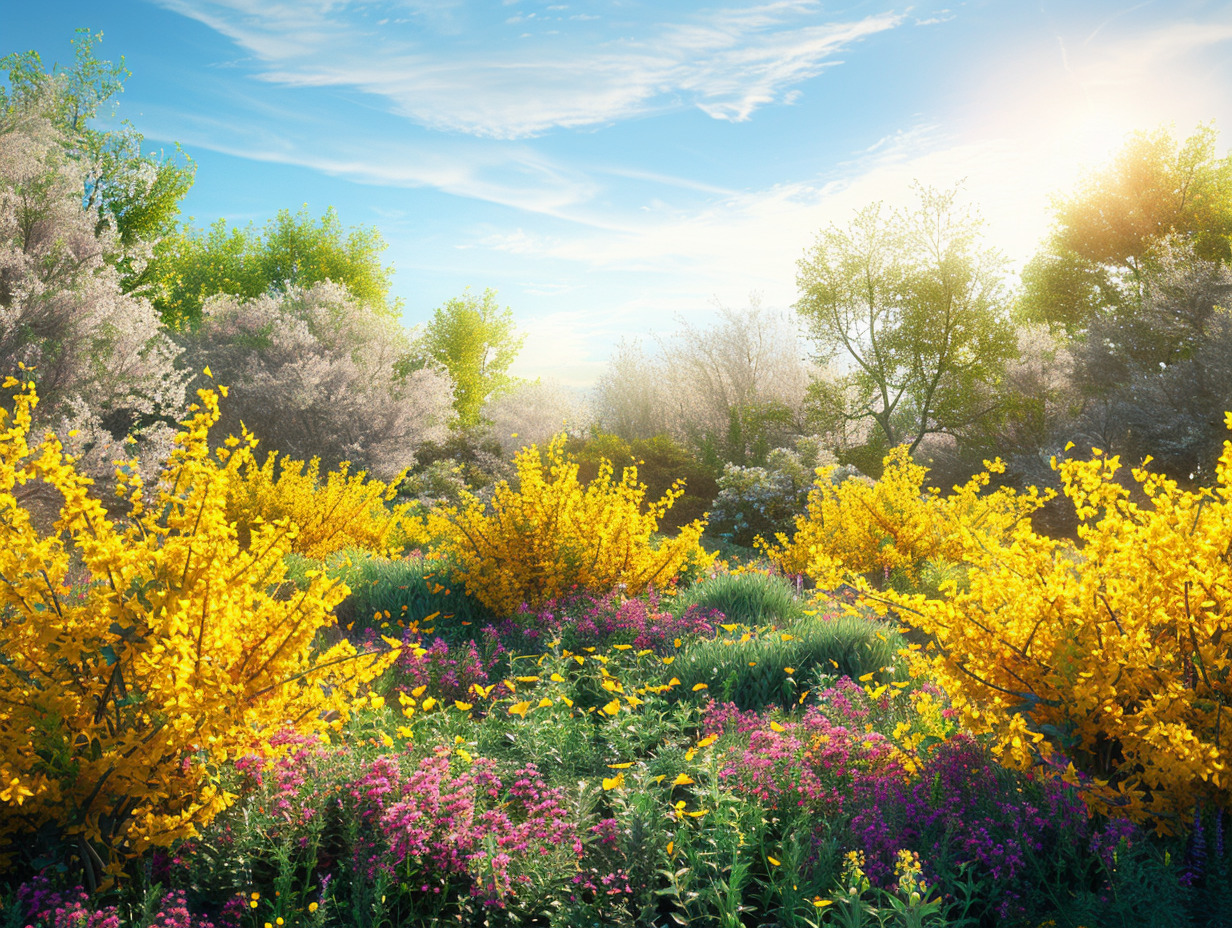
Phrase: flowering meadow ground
[540,712]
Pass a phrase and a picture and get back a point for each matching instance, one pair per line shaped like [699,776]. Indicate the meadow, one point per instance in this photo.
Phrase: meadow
[541,711]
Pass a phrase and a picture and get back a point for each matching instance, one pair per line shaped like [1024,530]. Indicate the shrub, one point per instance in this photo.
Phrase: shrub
[661,463]
[313,373]
[970,819]
[585,620]
[1108,662]
[414,838]
[765,500]
[752,598]
[104,367]
[809,764]
[766,667]
[554,534]
[892,529]
[122,700]
[343,511]
[530,413]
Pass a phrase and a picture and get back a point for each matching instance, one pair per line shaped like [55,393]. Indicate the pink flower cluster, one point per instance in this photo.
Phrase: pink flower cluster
[812,764]
[46,907]
[583,620]
[428,823]
[449,673]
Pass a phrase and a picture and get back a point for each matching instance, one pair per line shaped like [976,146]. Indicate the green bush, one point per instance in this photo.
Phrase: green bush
[772,668]
[751,599]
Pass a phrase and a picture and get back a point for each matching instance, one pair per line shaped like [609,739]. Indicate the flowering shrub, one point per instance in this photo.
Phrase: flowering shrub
[345,510]
[314,372]
[104,366]
[1108,660]
[764,500]
[553,534]
[890,529]
[47,907]
[120,704]
[447,674]
[585,620]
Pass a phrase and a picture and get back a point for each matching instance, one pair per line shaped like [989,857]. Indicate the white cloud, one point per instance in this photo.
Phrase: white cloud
[727,62]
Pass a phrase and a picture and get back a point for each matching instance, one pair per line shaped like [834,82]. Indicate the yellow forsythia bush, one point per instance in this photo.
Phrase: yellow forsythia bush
[894,525]
[1109,661]
[137,657]
[554,533]
[342,511]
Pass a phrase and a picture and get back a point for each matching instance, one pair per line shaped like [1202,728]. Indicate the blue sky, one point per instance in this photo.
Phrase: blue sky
[608,167]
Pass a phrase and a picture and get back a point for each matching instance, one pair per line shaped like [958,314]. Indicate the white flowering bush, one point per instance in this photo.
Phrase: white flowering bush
[313,373]
[531,413]
[765,500]
[104,366]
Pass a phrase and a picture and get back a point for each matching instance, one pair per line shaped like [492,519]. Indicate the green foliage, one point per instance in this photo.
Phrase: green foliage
[754,673]
[661,461]
[914,302]
[137,193]
[475,341]
[1108,234]
[415,589]
[292,249]
[752,598]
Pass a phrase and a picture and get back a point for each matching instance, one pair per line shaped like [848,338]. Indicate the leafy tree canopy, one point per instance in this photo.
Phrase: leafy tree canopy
[1111,232]
[292,250]
[476,342]
[911,303]
[137,193]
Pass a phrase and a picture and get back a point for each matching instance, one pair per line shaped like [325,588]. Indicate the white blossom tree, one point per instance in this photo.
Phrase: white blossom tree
[313,373]
[102,363]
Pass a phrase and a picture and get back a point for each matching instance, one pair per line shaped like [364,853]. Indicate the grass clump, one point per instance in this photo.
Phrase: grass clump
[768,667]
[391,593]
[752,598]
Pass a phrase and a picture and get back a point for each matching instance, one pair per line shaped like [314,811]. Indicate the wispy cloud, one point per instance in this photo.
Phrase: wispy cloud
[497,81]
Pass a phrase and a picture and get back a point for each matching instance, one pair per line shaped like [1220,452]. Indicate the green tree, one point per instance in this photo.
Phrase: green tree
[476,342]
[292,250]
[911,303]
[1111,232]
[136,193]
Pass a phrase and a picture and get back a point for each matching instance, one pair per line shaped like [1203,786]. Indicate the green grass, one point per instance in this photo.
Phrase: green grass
[409,590]
[752,599]
[768,670]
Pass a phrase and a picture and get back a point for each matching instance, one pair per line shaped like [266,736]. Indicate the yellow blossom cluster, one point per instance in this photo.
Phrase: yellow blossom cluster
[1107,660]
[553,534]
[342,511]
[137,657]
[874,529]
